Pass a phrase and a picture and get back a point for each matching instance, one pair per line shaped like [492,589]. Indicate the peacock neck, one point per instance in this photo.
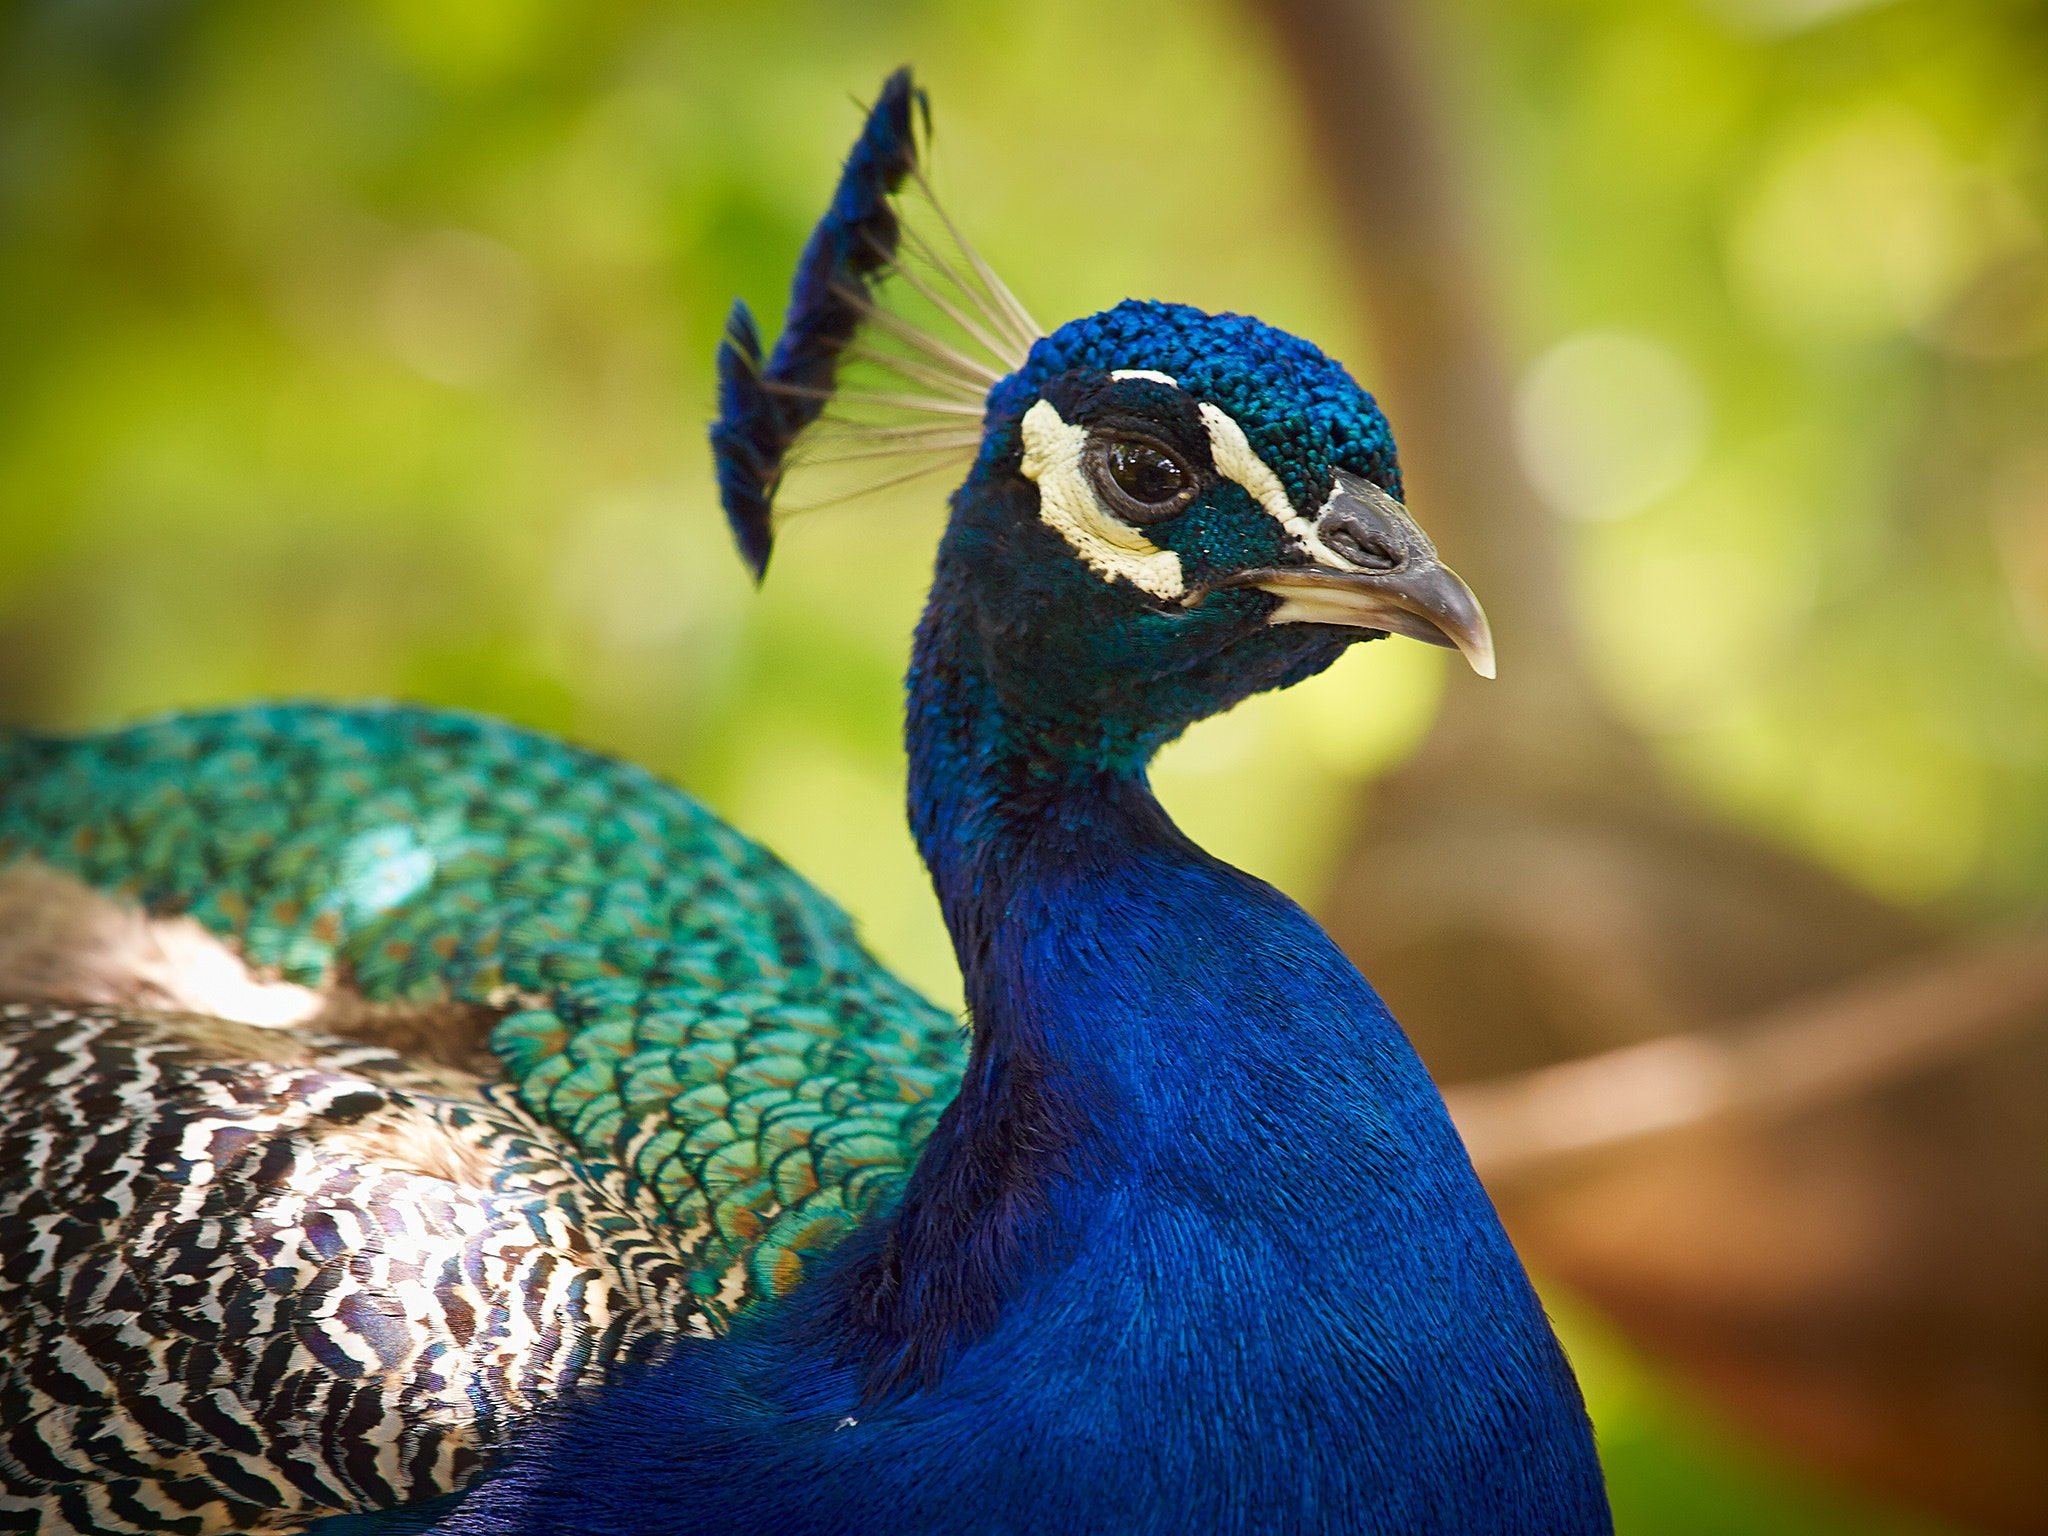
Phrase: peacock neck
[1196,1229]
[1141,1012]
[1031,816]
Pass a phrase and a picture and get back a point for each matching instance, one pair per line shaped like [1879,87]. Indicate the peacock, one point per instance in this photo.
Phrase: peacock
[410,1121]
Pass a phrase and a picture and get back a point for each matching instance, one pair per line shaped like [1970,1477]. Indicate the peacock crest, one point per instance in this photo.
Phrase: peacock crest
[896,331]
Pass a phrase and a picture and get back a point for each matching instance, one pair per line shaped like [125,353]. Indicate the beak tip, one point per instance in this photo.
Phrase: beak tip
[1470,632]
[1430,604]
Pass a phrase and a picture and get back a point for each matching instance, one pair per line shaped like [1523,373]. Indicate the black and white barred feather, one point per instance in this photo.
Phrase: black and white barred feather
[250,1277]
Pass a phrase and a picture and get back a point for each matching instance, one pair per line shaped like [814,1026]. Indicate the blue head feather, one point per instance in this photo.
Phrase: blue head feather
[762,407]
[1304,413]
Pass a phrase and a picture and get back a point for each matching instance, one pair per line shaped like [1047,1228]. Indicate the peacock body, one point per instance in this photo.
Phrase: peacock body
[705,1077]
[413,1121]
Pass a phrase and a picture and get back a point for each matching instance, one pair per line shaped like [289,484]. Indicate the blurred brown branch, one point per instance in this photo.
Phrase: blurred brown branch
[1850,1039]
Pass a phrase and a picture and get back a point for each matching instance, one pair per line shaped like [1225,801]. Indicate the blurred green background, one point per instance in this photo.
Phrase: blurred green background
[362,349]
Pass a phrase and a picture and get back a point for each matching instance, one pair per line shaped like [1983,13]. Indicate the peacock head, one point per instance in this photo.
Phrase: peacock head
[1166,510]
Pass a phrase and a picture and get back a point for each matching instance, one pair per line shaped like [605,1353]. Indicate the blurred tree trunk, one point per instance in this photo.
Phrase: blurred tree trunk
[1854,1269]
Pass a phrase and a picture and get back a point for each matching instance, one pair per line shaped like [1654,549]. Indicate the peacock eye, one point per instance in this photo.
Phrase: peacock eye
[1140,481]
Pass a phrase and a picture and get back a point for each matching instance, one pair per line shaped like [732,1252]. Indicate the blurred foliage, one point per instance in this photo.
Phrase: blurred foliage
[360,348]
[1781,269]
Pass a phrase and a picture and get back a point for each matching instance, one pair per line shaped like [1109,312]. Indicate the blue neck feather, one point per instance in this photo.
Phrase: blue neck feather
[1195,1249]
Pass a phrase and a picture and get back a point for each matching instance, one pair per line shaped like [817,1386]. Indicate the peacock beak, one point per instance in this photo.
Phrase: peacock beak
[1374,569]
[1431,605]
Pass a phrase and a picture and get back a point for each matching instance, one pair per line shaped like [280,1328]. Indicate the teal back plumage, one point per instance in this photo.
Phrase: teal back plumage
[694,1017]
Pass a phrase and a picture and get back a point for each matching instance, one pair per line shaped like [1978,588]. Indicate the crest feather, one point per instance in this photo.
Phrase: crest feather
[929,372]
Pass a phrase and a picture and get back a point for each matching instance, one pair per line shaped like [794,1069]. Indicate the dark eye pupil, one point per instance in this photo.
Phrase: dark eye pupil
[1145,474]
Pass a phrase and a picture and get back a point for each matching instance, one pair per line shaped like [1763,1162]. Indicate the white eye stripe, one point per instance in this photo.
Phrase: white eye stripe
[1067,503]
[1236,460]
[1234,457]
[1144,373]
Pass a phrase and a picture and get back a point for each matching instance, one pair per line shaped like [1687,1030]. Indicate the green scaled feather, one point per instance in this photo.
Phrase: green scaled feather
[691,1015]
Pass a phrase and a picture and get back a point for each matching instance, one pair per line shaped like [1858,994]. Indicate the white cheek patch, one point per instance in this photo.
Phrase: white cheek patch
[1234,457]
[1067,504]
